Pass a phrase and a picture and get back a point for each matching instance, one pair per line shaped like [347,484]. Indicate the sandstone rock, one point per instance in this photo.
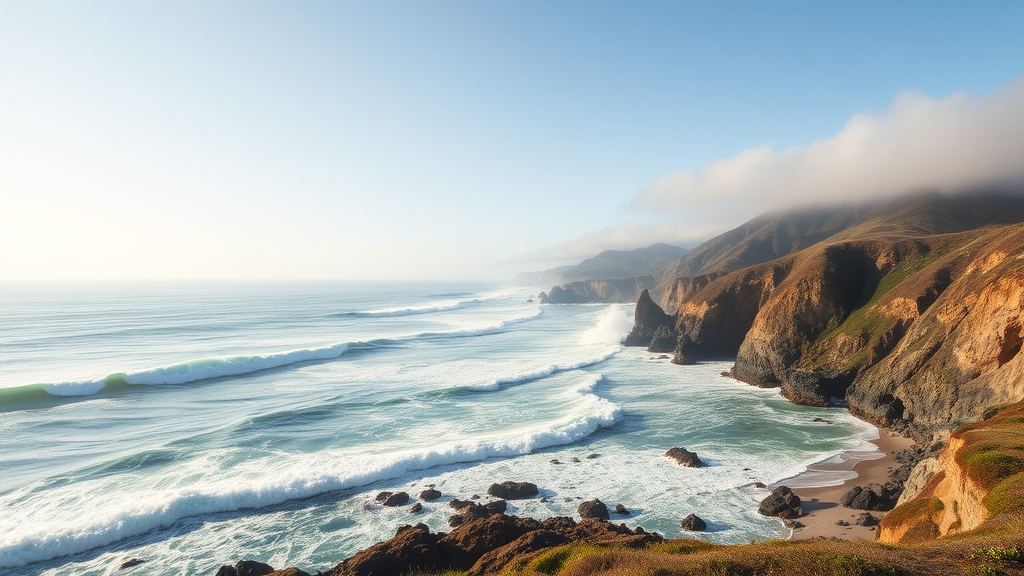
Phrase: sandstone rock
[782,503]
[513,490]
[684,457]
[593,509]
[693,523]
[429,495]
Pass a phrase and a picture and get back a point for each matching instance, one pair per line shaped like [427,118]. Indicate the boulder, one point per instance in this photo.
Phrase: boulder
[497,507]
[782,502]
[396,499]
[593,509]
[417,507]
[684,457]
[245,568]
[866,519]
[513,490]
[521,548]
[875,497]
[693,523]
[429,495]
[620,509]
[467,543]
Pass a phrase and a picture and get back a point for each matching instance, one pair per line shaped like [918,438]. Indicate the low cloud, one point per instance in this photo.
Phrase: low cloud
[919,143]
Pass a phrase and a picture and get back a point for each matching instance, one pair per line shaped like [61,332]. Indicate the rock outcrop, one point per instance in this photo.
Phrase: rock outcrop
[693,523]
[782,503]
[593,509]
[651,326]
[877,497]
[684,457]
[482,546]
[513,490]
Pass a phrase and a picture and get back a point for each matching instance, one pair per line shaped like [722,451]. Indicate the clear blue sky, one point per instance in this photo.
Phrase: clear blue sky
[299,140]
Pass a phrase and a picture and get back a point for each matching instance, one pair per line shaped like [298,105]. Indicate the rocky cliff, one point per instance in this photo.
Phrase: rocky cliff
[652,327]
[910,311]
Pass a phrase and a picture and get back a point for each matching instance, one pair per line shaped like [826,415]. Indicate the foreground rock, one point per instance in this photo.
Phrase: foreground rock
[593,509]
[782,503]
[513,490]
[429,495]
[875,497]
[482,546]
[693,523]
[684,457]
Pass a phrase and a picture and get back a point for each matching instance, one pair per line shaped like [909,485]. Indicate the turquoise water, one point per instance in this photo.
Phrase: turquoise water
[197,425]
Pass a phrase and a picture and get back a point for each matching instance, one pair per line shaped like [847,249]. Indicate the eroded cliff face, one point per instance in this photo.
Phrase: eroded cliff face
[980,480]
[915,330]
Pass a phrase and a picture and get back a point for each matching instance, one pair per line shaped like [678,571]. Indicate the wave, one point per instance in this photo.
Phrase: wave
[211,368]
[529,375]
[258,483]
[412,310]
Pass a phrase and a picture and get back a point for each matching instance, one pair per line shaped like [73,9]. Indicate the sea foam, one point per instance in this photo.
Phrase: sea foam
[50,528]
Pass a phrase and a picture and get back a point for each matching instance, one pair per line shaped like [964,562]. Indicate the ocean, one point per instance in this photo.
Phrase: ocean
[196,425]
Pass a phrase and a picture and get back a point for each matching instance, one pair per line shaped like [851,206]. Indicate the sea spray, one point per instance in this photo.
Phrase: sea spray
[612,328]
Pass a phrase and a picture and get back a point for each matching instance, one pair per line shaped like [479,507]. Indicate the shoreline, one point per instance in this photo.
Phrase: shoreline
[821,503]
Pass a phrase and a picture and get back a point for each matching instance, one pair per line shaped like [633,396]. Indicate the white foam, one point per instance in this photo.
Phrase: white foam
[534,374]
[612,328]
[412,310]
[50,528]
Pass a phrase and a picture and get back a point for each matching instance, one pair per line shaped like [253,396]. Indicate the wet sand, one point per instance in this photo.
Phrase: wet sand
[821,505]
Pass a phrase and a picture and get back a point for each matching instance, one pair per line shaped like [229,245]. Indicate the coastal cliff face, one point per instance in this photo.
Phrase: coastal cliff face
[981,483]
[911,313]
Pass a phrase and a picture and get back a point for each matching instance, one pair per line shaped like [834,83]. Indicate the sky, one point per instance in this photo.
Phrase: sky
[387,140]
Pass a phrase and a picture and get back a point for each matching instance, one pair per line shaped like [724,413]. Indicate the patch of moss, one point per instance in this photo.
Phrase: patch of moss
[913,510]
[1006,496]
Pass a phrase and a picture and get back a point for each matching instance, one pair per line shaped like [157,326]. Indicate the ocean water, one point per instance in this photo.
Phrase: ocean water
[192,426]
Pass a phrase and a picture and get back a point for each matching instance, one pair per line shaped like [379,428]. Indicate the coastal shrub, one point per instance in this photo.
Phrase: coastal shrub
[913,510]
[680,547]
[829,564]
[553,561]
[987,463]
[1000,553]
[1007,496]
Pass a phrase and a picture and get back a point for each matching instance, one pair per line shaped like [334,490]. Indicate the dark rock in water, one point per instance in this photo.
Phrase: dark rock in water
[693,523]
[544,499]
[130,562]
[620,509]
[782,503]
[555,461]
[497,507]
[542,296]
[866,519]
[592,456]
[871,497]
[593,509]
[417,507]
[513,490]
[664,340]
[396,499]
[382,496]
[683,359]
[647,319]
[575,460]
[820,419]
[560,295]
[245,568]
[759,485]
[474,497]
[684,457]
[429,495]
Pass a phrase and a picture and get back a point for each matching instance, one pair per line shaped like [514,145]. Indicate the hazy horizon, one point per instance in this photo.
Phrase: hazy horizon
[240,142]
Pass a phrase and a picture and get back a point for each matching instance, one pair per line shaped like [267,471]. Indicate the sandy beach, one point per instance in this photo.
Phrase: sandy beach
[821,505]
